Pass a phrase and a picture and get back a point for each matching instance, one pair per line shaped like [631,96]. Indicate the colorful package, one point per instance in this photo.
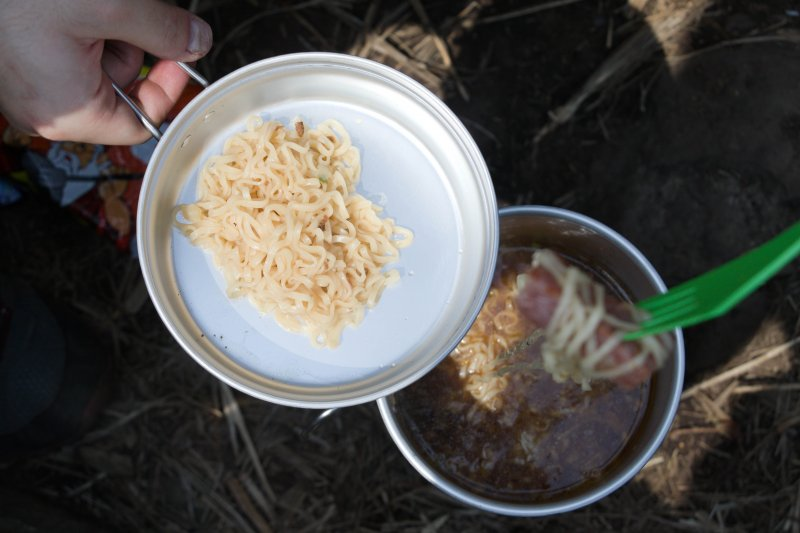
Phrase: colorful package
[100,183]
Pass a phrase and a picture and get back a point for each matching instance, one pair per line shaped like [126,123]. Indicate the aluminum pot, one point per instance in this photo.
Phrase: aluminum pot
[595,244]
[418,163]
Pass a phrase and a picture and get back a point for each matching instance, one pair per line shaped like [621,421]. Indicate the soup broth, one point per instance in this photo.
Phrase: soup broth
[490,419]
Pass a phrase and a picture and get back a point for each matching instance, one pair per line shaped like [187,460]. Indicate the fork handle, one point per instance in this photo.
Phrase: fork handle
[752,269]
[741,277]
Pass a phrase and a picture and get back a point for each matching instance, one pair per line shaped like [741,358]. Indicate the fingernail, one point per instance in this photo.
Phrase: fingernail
[199,37]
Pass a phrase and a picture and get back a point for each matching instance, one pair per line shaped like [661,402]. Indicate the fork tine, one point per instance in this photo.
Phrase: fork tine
[667,299]
[670,315]
[653,328]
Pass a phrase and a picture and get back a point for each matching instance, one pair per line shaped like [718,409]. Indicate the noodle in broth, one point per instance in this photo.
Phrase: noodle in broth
[494,421]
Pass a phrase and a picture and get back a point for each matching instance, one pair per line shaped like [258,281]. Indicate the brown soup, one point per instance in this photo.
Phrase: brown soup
[491,420]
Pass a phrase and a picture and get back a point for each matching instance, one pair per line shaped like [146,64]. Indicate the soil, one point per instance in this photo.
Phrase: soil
[695,160]
[711,171]
[694,164]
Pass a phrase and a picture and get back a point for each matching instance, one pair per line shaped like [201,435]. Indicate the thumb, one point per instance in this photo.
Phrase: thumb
[163,30]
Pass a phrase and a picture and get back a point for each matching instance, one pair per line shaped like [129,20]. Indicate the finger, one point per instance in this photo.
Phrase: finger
[163,30]
[162,88]
[156,94]
[122,62]
[109,120]
[106,119]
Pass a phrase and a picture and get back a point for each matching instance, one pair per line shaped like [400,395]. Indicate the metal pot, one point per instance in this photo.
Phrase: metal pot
[595,244]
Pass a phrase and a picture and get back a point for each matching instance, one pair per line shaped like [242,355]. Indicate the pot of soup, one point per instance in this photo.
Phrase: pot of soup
[507,422]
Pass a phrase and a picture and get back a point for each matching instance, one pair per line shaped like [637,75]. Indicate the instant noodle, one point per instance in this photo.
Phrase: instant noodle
[492,427]
[491,418]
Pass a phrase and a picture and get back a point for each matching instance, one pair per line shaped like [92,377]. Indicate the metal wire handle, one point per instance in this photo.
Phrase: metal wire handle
[193,73]
[146,121]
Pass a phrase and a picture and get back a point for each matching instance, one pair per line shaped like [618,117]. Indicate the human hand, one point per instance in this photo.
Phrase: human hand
[58,57]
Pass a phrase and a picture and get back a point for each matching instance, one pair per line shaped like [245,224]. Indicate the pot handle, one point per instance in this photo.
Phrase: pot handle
[151,126]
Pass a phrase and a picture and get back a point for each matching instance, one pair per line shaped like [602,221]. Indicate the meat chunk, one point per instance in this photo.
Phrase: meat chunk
[584,324]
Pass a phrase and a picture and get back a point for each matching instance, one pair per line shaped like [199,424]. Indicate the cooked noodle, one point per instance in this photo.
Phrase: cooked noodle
[490,419]
[278,213]
[483,354]
[571,349]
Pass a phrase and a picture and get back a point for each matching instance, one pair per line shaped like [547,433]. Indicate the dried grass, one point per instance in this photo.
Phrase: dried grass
[175,450]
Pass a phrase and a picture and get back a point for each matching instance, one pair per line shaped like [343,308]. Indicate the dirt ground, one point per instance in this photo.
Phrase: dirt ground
[686,140]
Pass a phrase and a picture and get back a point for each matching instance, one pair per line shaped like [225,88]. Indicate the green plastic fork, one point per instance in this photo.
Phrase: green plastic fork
[717,291]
